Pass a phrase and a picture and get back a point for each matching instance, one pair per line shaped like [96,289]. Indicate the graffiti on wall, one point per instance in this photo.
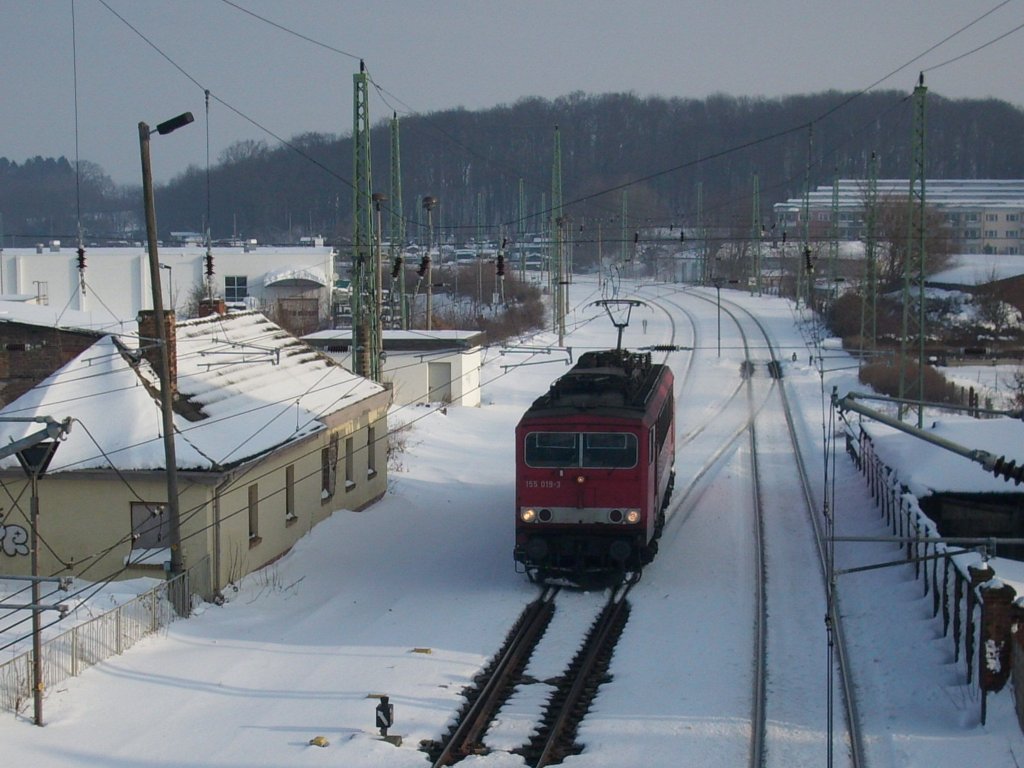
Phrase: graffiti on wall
[13,540]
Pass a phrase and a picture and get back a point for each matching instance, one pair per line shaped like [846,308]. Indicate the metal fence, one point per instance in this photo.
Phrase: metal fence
[949,584]
[99,638]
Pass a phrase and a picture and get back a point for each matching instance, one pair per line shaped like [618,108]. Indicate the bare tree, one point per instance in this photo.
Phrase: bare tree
[892,215]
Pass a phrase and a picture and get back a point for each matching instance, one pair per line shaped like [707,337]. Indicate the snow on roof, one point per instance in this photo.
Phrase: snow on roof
[18,311]
[926,468]
[293,275]
[255,387]
[979,268]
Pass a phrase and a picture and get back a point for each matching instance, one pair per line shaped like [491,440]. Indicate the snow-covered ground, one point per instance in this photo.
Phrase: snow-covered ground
[412,596]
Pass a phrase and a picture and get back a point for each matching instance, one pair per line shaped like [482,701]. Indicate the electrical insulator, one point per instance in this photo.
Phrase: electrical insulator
[81,258]
[500,266]
[209,265]
[807,261]
[424,266]
[1008,470]
[783,236]
[396,268]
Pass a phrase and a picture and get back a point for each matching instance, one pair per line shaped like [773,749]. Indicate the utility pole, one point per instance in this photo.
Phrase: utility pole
[869,304]
[756,228]
[397,227]
[428,205]
[914,264]
[164,372]
[833,239]
[558,277]
[378,293]
[704,267]
[804,274]
[521,231]
[363,337]
[34,453]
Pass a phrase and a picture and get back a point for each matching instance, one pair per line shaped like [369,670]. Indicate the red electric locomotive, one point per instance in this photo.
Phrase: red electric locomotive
[594,469]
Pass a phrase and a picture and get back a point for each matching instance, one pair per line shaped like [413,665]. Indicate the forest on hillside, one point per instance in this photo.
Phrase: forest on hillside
[661,161]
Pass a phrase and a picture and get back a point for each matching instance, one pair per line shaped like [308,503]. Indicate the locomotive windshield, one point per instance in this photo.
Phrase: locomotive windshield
[580,449]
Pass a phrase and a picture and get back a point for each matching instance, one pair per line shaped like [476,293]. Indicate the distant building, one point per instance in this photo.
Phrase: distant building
[290,285]
[984,216]
[420,366]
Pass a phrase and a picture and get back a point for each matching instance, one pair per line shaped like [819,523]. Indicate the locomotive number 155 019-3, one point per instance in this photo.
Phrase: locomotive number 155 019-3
[543,483]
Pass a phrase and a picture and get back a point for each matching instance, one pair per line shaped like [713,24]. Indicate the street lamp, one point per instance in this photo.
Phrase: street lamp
[173,518]
[428,205]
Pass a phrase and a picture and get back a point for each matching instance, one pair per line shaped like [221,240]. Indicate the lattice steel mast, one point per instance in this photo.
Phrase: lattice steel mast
[396,229]
[914,263]
[365,316]
[869,302]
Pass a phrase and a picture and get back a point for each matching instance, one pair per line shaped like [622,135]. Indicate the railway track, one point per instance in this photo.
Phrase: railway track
[838,657]
[764,749]
[554,734]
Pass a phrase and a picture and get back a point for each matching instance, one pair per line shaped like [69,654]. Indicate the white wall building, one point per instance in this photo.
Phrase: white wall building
[420,366]
[282,283]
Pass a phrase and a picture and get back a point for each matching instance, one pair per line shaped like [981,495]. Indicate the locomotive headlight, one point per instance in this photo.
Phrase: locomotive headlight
[528,515]
[633,516]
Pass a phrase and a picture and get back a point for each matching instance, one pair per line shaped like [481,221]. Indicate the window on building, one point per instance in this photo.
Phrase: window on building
[972,234]
[1012,217]
[150,528]
[329,468]
[289,494]
[254,514]
[371,451]
[971,217]
[991,217]
[1012,234]
[991,233]
[350,480]
[236,288]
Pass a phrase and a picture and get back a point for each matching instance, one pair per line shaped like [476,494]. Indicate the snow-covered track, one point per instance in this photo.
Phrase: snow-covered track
[466,737]
[854,740]
[572,689]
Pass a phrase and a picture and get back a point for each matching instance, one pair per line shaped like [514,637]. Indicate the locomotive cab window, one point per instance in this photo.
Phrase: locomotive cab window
[575,449]
[609,449]
[552,449]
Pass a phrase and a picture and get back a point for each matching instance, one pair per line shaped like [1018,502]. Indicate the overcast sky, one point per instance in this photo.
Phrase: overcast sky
[434,55]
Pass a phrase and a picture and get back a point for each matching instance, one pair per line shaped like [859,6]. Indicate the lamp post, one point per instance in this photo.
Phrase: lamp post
[173,518]
[428,205]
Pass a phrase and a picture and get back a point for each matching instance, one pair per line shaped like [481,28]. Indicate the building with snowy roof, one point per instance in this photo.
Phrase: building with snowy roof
[420,366]
[271,437]
[984,215]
